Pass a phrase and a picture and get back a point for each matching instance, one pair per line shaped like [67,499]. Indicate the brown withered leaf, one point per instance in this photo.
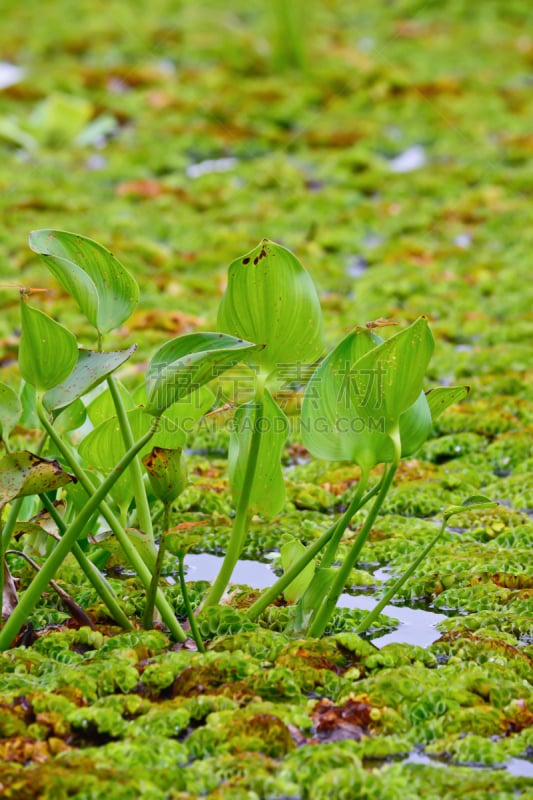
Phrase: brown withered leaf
[336,723]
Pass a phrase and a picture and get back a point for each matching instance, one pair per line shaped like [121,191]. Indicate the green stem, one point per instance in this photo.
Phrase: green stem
[397,585]
[129,550]
[148,617]
[33,593]
[355,504]
[91,572]
[336,530]
[135,471]
[10,523]
[270,594]
[241,520]
[188,608]
[323,615]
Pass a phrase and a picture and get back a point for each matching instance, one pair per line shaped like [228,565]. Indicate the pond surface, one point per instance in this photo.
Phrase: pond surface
[417,626]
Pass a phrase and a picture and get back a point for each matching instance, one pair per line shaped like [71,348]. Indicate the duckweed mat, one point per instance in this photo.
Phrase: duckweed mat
[390,147]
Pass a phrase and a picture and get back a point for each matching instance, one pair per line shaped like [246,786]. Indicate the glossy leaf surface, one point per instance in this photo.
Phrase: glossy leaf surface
[268,490]
[91,368]
[271,299]
[48,351]
[356,397]
[104,290]
[186,363]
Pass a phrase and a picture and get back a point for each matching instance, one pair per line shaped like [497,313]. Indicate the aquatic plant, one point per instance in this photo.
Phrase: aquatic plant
[364,404]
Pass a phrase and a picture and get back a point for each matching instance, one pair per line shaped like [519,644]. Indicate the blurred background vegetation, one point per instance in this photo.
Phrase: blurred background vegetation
[388,144]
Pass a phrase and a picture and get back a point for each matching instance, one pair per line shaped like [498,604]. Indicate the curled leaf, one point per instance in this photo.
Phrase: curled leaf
[104,290]
[185,364]
[166,471]
[23,473]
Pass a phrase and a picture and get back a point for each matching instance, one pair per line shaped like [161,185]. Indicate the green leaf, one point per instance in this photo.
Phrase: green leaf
[140,540]
[477,501]
[442,397]
[354,401]
[71,418]
[312,599]
[103,407]
[59,118]
[23,473]
[92,367]
[267,496]
[103,447]
[10,410]
[188,362]
[271,299]
[29,417]
[415,426]
[329,408]
[104,290]
[48,351]
[167,472]
[290,552]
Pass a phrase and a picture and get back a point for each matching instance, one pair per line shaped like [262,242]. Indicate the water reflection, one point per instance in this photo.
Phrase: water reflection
[417,626]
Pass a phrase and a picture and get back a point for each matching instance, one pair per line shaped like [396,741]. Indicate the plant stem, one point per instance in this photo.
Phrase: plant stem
[397,585]
[135,471]
[129,550]
[355,504]
[148,617]
[188,608]
[33,593]
[323,615]
[290,17]
[92,573]
[241,520]
[11,521]
[337,530]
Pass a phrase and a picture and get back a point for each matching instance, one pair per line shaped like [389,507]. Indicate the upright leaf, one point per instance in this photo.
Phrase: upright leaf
[271,299]
[290,551]
[353,403]
[186,363]
[10,410]
[268,490]
[167,472]
[92,367]
[48,351]
[104,290]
